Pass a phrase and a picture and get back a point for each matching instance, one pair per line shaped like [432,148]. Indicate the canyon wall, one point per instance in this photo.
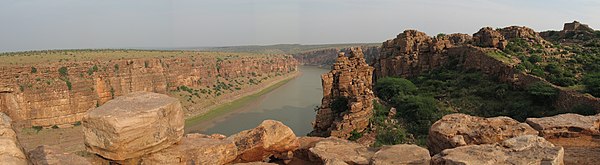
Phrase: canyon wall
[412,53]
[326,57]
[347,103]
[61,93]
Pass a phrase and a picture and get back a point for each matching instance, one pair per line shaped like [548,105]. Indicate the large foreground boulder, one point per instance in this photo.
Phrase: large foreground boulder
[339,151]
[11,151]
[529,149]
[401,154]
[195,149]
[566,125]
[47,155]
[457,130]
[133,125]
[270,138]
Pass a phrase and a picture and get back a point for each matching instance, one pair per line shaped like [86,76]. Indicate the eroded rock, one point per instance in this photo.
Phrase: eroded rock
[488,37]
[269,138]
[48,155]
[402,154]
[528,149]
[11,151]
[195,149]
[339,151]
[566,125]
[457,130]
[133,125]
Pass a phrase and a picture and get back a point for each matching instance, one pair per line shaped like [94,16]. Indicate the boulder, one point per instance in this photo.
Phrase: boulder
[402,154]
[489,38]
[11,151]
[457,130]
[566,125]
[48,155]
[195,149]
[256,163]
[339,151]
[528,149]
[268,139]
[133,125]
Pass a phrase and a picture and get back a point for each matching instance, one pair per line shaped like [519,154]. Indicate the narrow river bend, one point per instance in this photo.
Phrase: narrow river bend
[292,103]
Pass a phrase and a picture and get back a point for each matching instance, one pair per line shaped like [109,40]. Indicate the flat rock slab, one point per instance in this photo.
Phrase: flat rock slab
[47,155]
[11,151]
[566,125]
[457,130]
[402,154]
[528,149]
[195,149]
[339,151]
[269,138]
[133,125]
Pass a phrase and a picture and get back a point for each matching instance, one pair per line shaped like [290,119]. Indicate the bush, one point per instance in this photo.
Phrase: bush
[542,91]
[69,85]
[33,70]
[37,128]
[592,84]
[390,137]
[62,71]
[390,87]
[92,70]
[355,135]
[535,58]
[54,127]
[339,104]
[584,109]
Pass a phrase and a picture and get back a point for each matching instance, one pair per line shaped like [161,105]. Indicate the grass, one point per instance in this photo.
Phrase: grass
[498,55]
[228,107]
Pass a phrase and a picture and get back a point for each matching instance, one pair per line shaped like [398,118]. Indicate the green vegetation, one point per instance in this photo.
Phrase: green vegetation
[499,55]
[92,70]
[339,104]
[355,135]
[54,127]
[69,85]
[37,128]
[592,84]
[389,87]
[116,68]
[33,70]
[63,72]
[146,64]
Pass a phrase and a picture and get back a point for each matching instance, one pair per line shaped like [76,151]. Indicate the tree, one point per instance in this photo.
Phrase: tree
[542,92]
[390,87]
[592,84]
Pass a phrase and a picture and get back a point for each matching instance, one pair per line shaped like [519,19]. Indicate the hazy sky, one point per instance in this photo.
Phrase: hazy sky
[62,24]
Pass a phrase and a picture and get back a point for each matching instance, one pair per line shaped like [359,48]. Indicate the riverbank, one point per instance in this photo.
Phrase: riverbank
[231,104]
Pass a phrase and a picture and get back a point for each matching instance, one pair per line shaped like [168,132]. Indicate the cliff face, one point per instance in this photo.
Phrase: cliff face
[347,103]
[326,57]
[61,93]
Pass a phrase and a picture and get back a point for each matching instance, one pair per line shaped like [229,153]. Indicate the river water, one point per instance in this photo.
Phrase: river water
[292,103]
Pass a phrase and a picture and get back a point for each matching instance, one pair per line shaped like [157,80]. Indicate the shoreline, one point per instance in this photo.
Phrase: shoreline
[238,101]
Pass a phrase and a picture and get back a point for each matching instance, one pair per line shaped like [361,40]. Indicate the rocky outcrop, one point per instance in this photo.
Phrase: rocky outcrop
[326,57]
[402,154]
[11,151]
[270,138]
[47,155]
[577,26]
[529,149]
[195,149]
[347,103]
[489,38]
[133,125]
[333,150]
[50,97]
[457,130]
[412,53]
[566,125]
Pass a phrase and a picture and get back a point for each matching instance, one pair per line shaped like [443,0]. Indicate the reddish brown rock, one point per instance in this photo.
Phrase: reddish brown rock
[133,125]
[11,151]
[195,149]
[349,83]
[339,151]
[457,130]
[566,125]
[529,149]
[576,26]
[326,57]
[402,154]
[268,139]
[47,155]
[489,38]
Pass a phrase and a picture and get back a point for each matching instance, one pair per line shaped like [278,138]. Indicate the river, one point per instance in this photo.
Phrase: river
[292,103]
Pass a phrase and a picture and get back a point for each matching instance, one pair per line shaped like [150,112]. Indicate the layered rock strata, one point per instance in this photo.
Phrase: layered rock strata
[195,149]
[270,138]
[62,92]
[566,125]
[347,103]
[529,149]
[133,125]
[326,57]
[457,130]
[47,155]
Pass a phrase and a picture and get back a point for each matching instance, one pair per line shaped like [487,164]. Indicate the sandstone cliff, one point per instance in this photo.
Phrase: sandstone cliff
[347,103]
[326,57]
[61,92]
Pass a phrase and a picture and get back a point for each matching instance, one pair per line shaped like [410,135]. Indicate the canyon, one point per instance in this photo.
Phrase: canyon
[61,92]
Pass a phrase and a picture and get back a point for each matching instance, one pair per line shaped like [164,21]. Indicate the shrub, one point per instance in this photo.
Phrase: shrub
[146,64]
[69,85]
[54,127]
[116,67]
[92,70]
[535,58]
[584,109]
[592,84]
[390,87]
[542,91]
[37,128]
[390,137]
[355,135]
[62,71]
[33,70]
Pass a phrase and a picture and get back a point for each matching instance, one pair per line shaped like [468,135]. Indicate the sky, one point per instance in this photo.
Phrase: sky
[77,24]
